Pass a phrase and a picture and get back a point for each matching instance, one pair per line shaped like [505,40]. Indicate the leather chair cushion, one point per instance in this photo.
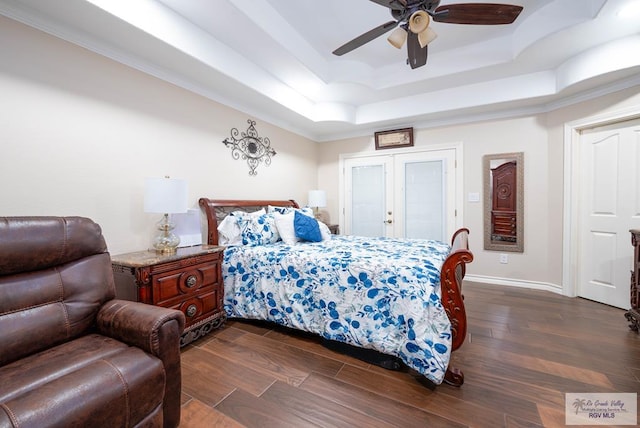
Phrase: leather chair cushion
[86,382]
[34,243]
[50,306]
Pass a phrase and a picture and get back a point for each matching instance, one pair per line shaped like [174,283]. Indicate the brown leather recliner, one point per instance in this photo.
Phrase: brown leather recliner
[70,353]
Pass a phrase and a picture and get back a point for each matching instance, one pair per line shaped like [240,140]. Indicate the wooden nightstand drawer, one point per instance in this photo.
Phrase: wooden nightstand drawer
[190,281]
[198,307]
[181,284]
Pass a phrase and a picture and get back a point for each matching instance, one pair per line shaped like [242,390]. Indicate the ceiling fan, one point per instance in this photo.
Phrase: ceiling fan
[412,19]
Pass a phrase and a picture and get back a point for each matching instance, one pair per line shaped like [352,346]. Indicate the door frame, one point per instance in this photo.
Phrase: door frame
[459,168]
[571,203]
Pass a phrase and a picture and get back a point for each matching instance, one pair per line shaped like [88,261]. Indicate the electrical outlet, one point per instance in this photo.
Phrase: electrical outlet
[504,258]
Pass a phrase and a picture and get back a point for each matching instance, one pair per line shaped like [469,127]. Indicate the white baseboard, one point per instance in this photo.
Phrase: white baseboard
[515,283]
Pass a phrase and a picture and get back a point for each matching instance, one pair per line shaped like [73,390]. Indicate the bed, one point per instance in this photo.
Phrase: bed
[400,298]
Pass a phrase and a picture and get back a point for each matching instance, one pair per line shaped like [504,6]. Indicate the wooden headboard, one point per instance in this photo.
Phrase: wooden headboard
[217,209]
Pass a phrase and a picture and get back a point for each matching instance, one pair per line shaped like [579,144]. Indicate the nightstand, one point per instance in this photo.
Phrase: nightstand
[190,281]
[334,228]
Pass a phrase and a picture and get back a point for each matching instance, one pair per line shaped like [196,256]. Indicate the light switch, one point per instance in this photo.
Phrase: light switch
[474,197]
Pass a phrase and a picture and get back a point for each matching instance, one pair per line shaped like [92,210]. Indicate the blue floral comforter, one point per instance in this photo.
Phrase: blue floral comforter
[375,293]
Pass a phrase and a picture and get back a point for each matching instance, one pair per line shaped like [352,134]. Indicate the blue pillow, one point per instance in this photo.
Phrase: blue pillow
[306,228]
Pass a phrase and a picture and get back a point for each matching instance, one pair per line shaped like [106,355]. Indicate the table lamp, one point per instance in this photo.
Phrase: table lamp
[165,196]
[317,199]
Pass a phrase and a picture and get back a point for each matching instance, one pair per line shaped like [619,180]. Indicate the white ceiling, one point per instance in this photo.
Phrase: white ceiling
[272,58]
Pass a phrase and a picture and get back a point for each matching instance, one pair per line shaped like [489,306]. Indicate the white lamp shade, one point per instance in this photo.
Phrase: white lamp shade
[419,21]
[165,195]
[426,37]
[317,198]
[397,37]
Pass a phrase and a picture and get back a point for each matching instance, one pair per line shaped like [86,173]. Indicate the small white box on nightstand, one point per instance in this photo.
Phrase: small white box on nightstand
[188,228]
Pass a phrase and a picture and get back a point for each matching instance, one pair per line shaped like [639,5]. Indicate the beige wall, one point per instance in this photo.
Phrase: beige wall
[79,133]
[541,139]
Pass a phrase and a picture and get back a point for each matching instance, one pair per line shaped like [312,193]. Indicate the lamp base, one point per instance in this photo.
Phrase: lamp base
[166,242]
[321,215]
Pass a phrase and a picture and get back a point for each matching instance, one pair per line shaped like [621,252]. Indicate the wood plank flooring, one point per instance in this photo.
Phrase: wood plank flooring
[525,350]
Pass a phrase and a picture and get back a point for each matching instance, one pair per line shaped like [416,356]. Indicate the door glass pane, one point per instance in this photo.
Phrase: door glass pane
[424,200]
[367,200]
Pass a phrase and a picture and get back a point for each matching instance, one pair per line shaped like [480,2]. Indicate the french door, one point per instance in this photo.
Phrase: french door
[403,195]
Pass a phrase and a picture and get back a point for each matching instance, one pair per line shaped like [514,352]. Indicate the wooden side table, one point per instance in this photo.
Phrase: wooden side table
[190,281]
[334,229]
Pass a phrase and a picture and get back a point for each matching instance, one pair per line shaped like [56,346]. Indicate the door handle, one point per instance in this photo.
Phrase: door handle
[388,221]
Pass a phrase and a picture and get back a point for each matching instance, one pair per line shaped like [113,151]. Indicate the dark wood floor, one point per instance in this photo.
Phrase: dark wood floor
[525,350]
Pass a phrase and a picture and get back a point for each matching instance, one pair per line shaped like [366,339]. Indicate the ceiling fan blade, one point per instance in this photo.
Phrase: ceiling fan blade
[366,37]
[392,4]
[477,13]
[416,56]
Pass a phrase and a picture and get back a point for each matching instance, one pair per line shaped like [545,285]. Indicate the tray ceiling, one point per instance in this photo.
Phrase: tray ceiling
[272,58]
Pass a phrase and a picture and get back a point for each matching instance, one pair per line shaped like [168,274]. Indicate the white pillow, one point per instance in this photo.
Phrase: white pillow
[284,223]
[285,210]
[278,210]
[258,213]
[307,211]
[324,231]
[229,232]
[286,228]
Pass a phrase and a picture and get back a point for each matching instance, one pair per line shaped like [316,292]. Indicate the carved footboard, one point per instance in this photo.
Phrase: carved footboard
[452,273]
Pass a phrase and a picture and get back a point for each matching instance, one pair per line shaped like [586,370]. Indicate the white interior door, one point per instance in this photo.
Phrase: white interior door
[424,194]
[408,195]
[610,206]
[368,195]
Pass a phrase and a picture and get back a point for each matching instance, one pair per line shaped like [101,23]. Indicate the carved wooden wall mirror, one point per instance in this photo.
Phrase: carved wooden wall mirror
[504,202]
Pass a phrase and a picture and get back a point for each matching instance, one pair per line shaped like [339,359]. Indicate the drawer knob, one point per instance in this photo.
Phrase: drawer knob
[191,310]
[191,281]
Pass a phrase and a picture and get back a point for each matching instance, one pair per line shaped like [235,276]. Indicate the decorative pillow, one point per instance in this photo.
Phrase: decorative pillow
[324,231]
[278,210]
[307,211]
[258,213]
[286,210]
[306,228]
[260,230]
[229,232]
[284,223]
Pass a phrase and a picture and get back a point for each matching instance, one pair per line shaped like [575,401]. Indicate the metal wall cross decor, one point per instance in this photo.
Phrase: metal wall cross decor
[250,146]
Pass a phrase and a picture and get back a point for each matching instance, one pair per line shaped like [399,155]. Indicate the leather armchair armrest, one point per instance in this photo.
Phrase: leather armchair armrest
[157,331]
[138,324]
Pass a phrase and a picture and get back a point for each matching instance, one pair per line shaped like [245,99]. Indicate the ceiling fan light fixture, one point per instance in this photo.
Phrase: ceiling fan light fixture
[419,21]
[412,18]
[397,37]
[426,37]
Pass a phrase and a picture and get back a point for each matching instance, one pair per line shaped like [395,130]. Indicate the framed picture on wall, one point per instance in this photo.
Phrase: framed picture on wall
[394,138]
